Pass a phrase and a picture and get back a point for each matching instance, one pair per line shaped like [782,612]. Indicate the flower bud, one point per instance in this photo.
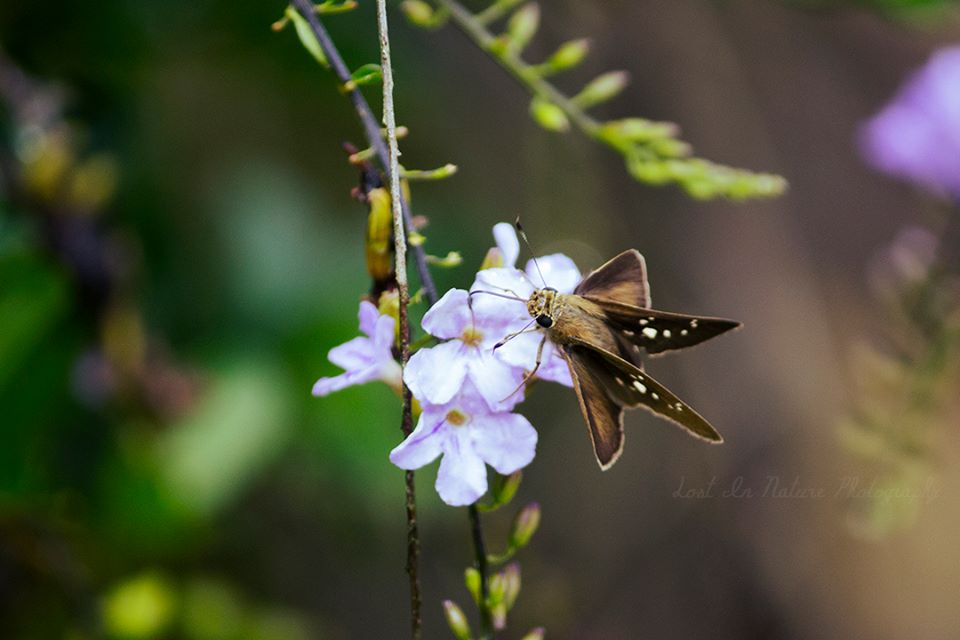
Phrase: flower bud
[535,634]
[379,248]
[456,620]
[471,578]
[602,88]
[522,27]
[548,115]
[496,589]
[570,54]
[525,525]
[511,577]
[418,12]
[498,614]
[503,488]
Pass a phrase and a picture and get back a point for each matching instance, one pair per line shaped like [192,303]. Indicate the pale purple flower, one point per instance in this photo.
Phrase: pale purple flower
[558,271]
[437,374]
[365,358]
[468,435]
[917,135]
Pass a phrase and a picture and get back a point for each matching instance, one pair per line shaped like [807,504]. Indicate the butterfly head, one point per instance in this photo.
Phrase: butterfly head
[541,305]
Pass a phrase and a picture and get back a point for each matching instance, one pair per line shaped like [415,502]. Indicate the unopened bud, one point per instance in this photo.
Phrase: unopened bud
[496,589]
[570,54]
[472,579]
[525,525]
[602,88]
[417,12]
[522,27]
[511,576]
[548,115]
[379,248]
[504,488]
[535,634]
[456,620]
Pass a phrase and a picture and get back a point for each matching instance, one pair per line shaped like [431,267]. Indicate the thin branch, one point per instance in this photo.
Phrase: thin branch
[480,562]
[371,131]
[525,74]
[400,250]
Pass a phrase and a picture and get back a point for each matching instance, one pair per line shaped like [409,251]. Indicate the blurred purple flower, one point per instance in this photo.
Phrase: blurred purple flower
[917,135]
[437,374]
[365,358]
[467,434]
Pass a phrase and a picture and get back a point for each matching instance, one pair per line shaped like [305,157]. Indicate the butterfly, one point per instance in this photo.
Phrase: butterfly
[602,329]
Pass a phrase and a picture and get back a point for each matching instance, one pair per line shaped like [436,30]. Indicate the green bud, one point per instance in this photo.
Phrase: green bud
[378,245]
[511,576]
[496,589]
[548,115]
[307,37]
[670,148]
[505,487]
[418,12]
[535,634]
[456,620]
[452,259]
[602,88]
[525,525]
[498,615]
[471,578]
[522,27]
[570,54]
[445,171]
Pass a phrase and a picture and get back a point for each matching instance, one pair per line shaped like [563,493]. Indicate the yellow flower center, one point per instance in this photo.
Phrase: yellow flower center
[471,337]
[457,418]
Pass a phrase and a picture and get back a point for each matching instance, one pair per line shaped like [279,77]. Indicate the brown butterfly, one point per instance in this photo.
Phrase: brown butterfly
[602,329]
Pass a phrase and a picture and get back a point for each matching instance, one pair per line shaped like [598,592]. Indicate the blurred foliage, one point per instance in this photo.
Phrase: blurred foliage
[908,392]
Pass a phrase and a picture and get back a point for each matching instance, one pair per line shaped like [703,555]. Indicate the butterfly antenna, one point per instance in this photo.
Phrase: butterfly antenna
[523,235]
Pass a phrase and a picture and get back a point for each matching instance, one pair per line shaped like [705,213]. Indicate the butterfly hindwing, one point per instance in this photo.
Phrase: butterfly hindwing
[658,331]
[622,279]
[602,412]
[628,386]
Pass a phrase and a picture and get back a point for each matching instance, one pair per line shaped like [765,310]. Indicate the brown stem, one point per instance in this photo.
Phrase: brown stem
[480,562]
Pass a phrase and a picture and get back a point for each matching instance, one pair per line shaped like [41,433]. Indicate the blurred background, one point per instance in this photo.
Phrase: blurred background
[179,250]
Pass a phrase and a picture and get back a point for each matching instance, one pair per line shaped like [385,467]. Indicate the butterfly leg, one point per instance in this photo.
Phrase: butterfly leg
[530,374]
[509,337]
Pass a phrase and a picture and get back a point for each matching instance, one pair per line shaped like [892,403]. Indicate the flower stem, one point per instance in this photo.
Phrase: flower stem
[480,561]
[400,251]
[371,131]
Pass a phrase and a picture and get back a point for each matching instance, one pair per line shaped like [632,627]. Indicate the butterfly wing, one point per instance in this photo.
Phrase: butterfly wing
[606,385]
[658,331]
[602,412]
[621,279]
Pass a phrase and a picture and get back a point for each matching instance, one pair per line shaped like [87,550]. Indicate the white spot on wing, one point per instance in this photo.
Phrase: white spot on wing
[650,332]
[639,386]
[693,323]
[666,333]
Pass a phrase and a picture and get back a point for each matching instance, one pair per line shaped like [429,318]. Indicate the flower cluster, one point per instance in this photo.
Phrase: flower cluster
[917,135]
[469,384]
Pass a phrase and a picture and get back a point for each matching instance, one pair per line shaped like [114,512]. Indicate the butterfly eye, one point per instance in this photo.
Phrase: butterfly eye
[544,321]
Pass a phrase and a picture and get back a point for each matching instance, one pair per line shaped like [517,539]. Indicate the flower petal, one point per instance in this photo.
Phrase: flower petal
[462,477]
[494,311]
[353,354]
[506,238]
[558,270]
[449,316]
[423,445]
[326,386]
[554,368]
[497,382]
[435,375]
[505,441]
[368,317]
[383,336]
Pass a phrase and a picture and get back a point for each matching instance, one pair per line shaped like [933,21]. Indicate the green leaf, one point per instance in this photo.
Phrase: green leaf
[367,74]
[307,37]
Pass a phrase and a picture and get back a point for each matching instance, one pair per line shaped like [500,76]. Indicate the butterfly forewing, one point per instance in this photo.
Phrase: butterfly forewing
[622,279]
[658,331]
